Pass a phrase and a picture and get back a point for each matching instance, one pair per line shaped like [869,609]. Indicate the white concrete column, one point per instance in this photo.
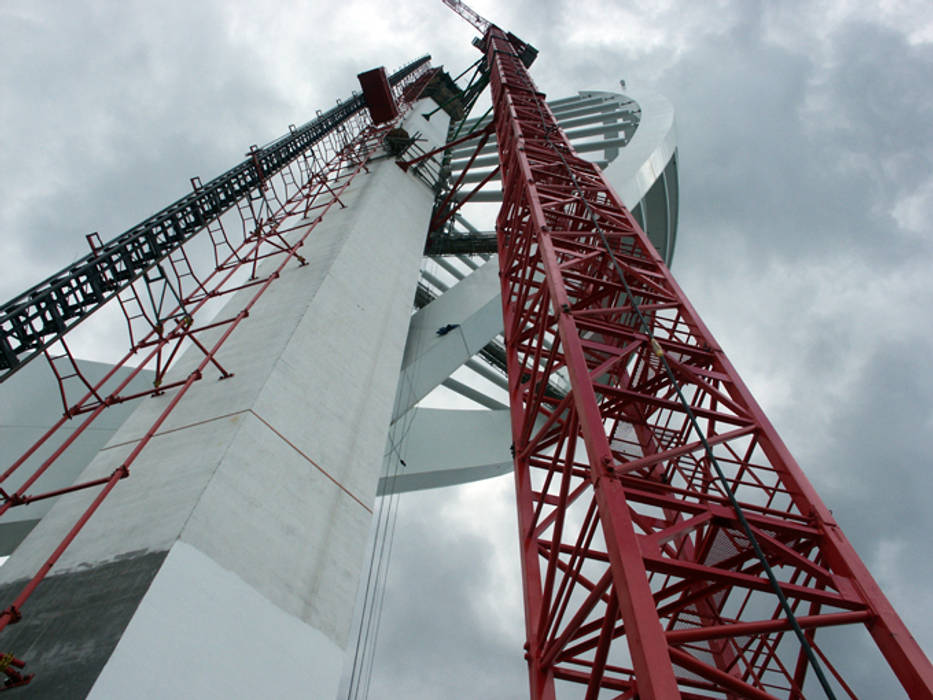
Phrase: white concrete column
[227,564]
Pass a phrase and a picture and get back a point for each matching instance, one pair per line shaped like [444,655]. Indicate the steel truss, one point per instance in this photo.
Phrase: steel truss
[169,308]
[36,318]
[655,500]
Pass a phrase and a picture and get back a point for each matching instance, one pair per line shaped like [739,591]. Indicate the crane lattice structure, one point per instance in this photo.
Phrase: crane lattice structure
[657,504]
[670,545]
[658,507]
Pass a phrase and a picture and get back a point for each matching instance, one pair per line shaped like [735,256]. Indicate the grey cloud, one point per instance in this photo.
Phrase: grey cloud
[109,125]
[792,157]
[438,638]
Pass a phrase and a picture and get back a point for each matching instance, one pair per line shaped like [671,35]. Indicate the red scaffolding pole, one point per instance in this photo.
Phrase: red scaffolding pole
[670,544]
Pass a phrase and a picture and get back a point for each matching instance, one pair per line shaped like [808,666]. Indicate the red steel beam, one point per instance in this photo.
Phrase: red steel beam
[639,495]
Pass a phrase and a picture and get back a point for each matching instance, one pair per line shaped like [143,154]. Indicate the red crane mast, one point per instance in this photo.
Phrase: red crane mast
[670,544]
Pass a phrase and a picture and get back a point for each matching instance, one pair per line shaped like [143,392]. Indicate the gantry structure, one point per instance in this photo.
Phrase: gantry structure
[670,545]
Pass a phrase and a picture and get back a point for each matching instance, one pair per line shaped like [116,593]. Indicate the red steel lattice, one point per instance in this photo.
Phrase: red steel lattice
[640,572]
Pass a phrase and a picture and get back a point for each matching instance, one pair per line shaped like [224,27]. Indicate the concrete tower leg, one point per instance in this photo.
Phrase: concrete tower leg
[227,564]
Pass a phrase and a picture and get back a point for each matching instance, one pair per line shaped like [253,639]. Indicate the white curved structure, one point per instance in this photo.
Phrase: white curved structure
[633,139]
[644,173]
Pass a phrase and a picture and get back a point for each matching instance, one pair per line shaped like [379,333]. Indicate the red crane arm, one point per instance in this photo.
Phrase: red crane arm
[669,541]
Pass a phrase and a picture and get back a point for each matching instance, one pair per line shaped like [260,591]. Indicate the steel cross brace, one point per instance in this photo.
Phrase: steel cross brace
[638,573]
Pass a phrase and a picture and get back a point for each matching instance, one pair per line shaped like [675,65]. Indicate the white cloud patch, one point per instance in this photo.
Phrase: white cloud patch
[914,211]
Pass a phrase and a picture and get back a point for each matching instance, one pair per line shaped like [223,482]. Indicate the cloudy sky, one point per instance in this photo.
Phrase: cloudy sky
[806,154]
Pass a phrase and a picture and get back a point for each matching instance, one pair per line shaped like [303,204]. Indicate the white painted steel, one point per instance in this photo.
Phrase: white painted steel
[650,149]
[447,447]
[473,304]
[631,163]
